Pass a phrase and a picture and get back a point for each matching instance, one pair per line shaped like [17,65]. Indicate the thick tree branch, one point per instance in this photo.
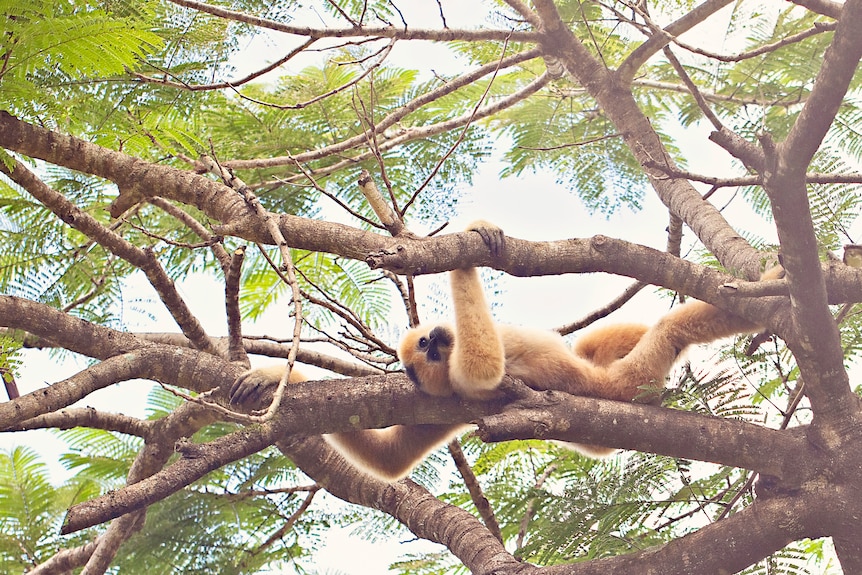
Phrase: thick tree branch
[817,347]
[418,510]
[754,533]
[554,415]
[171,365]
[197,460]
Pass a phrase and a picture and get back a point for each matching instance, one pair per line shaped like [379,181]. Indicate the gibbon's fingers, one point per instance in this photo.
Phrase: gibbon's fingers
[492,235]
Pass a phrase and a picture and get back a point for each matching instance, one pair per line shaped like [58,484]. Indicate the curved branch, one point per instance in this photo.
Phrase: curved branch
[143,259]
[422,513]
[86,417]
[162,363]
[659,40]
[64,330]
[446,34]
[756,532]
[197,460]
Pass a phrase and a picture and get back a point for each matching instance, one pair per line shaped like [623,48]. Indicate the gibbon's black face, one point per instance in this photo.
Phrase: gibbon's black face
[424,352]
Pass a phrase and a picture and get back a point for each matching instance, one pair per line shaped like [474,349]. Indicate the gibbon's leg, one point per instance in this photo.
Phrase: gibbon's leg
[388,454]
[651,359]
[604,345]
[392,453]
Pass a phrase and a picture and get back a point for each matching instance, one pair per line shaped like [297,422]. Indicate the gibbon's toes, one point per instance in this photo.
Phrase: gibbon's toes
[250,389]
[492,235]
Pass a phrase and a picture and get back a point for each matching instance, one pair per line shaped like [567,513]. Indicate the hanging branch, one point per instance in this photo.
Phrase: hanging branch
[274,230]
[236,351]
[483,506]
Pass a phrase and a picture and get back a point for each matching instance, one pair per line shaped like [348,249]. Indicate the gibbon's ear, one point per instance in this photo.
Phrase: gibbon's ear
[424,352]
[256,386]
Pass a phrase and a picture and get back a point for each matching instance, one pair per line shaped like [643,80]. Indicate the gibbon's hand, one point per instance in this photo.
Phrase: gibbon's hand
[492,235]
[255,388]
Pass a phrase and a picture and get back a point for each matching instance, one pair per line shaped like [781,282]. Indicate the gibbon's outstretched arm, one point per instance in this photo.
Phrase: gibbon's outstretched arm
[388,454]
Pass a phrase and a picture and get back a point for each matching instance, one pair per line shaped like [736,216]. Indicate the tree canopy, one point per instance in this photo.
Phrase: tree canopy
[313,153]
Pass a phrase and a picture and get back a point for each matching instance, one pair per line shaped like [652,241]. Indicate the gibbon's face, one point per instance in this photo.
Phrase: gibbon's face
[424,352]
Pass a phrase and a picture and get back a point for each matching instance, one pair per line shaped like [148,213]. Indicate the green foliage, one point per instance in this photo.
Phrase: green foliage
[9,358]
[31,510]
[47,42]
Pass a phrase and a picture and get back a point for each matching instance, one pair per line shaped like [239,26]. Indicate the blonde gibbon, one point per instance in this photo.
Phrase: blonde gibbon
[470,357]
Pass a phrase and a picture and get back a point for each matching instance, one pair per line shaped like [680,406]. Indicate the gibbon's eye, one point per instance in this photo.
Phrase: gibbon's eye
[423,343]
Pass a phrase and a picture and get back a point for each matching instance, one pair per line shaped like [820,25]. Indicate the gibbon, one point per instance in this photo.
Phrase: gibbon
[470,357]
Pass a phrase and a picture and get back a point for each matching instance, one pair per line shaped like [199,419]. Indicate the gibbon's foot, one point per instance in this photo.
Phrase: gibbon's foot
[255,387]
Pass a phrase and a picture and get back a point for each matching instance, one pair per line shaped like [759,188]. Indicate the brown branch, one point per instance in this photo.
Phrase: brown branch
[824,7]
[384,52]
[387,216]
[143,259]
[353,32]
[390,120]
[717,97]
[462,134]
[166,364]
[418,510]
[185,218]
[818,28]
[605,311]
[628,69]
[287,266]
[530,510]
[817,347]
[693,89]
[553,415]
[181,85]
[69,418]
[236,351]
[196,461]
[66,560]
[471,482]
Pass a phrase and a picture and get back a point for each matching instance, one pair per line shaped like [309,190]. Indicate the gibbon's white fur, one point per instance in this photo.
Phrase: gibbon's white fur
[470,357]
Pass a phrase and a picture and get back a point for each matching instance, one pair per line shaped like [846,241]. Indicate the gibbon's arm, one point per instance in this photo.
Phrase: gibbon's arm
[388,454]
[478,360]
[467,358]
